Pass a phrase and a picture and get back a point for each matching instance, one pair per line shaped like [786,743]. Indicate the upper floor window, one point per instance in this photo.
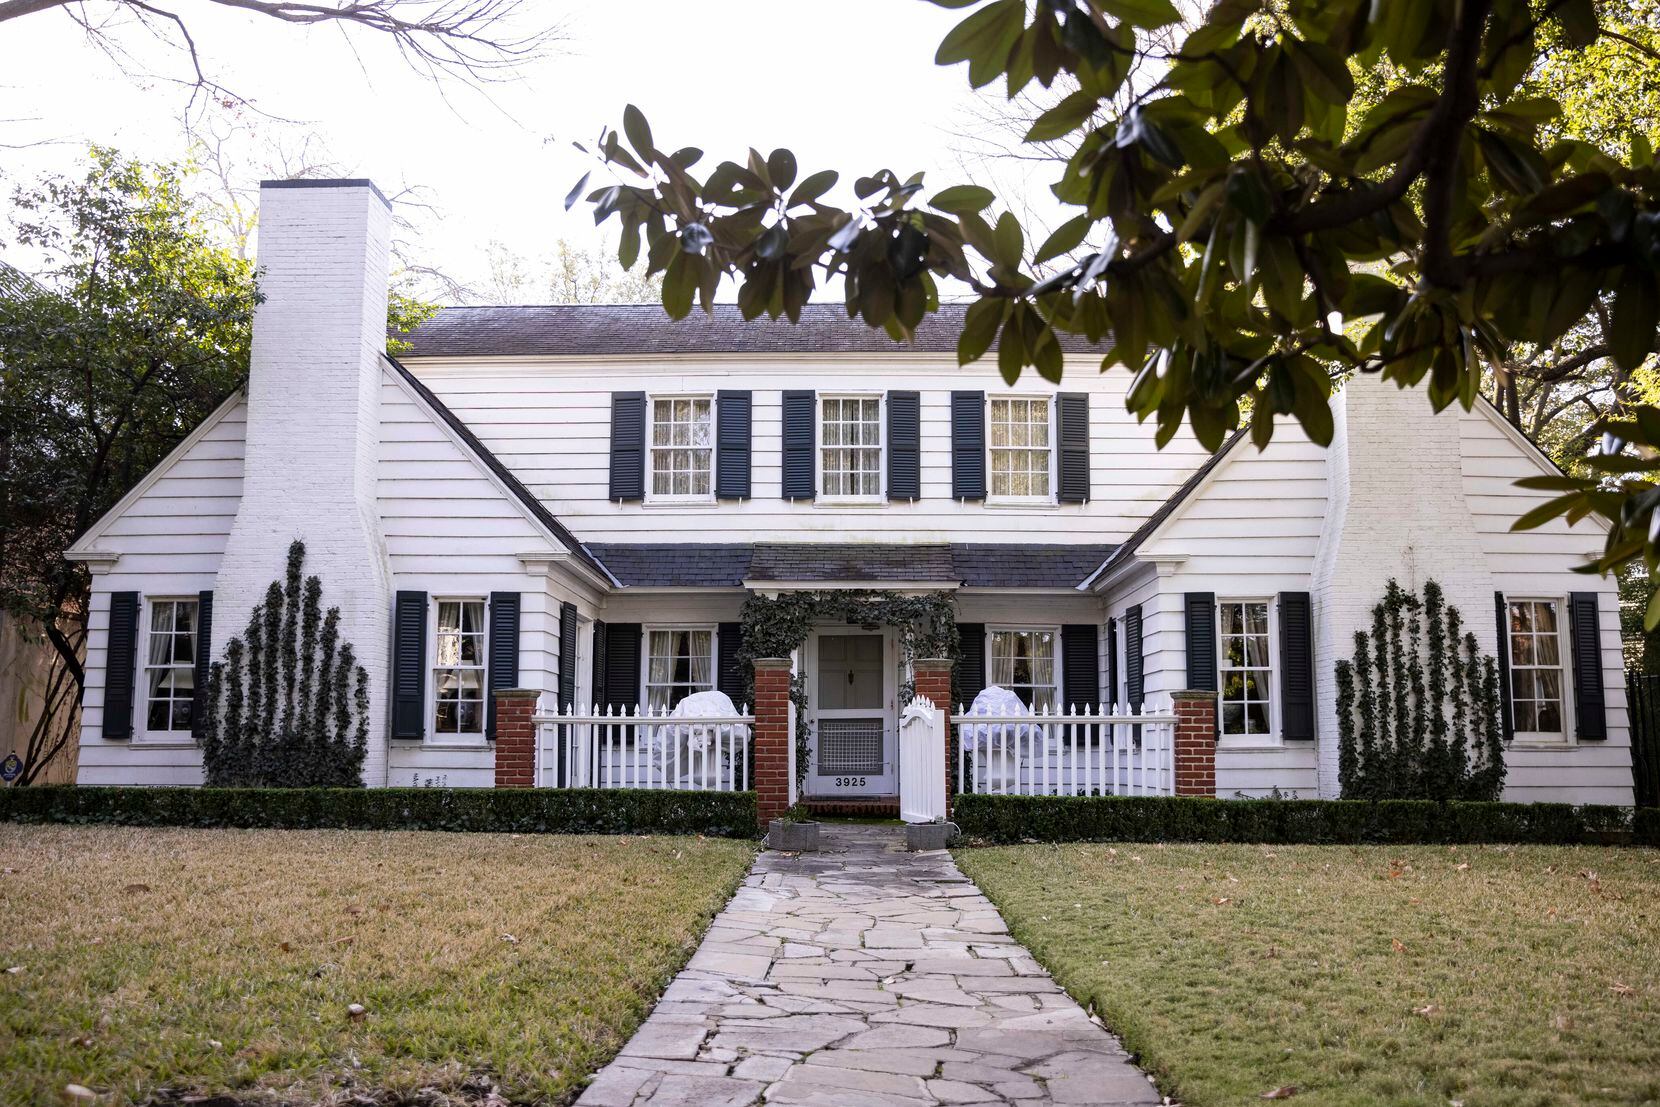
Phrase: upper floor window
[682,447]
[1026,662]
[1536,684]
[458,668]
[678,663]
[1246,668]
[850,447]
[170,666]
[1020,449]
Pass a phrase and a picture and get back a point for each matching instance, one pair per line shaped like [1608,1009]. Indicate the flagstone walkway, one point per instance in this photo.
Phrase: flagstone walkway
[863,975]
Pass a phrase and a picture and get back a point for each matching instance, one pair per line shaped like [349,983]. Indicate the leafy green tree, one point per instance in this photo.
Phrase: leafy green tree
[1249,224]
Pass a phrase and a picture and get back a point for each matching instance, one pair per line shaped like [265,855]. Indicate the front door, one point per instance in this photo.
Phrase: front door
[852,692]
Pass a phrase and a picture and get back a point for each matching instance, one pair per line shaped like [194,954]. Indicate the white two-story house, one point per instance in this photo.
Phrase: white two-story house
[580,500]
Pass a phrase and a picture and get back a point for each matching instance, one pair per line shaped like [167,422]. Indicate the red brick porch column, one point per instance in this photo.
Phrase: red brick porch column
[516,737]
[770,762]
[1195,743]
[932,678]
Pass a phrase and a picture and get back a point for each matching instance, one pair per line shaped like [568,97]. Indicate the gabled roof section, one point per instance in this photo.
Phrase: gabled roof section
[501,472]
[15,284]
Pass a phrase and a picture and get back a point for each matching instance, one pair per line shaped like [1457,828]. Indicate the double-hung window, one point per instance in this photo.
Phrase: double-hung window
[1026,663]
[1536,675]
[1246,668]
[682,448]
[679,662]
[850,447]
[458,668]
[1020,448]
[170,668]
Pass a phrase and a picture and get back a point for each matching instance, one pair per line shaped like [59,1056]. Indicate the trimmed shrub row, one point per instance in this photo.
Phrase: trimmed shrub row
[509,810]
[1005,819]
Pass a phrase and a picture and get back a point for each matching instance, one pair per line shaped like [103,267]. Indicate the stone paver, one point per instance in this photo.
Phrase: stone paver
[865,975]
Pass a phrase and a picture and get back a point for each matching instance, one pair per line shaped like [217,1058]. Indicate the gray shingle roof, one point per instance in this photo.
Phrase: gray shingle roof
[623,329]
[974,565]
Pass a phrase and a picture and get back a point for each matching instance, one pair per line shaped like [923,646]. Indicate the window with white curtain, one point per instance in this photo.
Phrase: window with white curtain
[1020,449]
[850,447]
[1536,676]
[682,447]
[1025,662]
[678,663]
[170,666]
[1246,668]
[458,668]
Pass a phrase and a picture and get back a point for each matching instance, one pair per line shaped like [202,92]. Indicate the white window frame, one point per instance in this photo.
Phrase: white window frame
[992,496]
[992,630]
[1564,669]
[652,497]
[646,632]
[142,662]
[430,727]
[879,496]
[1273,736]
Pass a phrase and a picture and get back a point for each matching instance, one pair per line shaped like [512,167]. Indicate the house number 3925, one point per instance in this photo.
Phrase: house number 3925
[850,782]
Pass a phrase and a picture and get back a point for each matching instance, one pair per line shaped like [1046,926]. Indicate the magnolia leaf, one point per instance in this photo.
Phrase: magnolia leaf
[1067,237]
[638,132]
[960,199]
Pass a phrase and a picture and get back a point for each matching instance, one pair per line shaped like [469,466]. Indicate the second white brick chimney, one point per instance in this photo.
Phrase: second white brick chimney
[313,433]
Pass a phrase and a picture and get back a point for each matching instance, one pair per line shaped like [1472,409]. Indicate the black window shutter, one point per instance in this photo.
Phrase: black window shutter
[1296,667]
[503,663]
[1080,666]
[628,445]
[1590,718]
[798,445]
[1133,692]
[598,687]
[1507,718]
[622,665]
[118,666]
[204,662]
[409,665]
[1072,434]
[968,445]
[732,437]
[904,445]
[729,675]
[1112,662]
[1201,641]
[567,655]
[971,670]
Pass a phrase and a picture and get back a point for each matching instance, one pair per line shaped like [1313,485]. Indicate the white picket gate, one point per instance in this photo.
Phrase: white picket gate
[1123,751]
[642,748]
[921,762]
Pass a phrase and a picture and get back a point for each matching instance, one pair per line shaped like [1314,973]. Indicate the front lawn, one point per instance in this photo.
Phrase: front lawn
[140,962]
[1356,975]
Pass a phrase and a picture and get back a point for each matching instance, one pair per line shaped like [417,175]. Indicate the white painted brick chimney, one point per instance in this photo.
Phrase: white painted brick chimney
[1395,508]
[313,433]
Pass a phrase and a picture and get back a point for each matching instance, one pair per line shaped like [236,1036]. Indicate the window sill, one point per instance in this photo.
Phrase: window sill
[680,505]
[1558,744]
[850,501]
[163,743]
[1020,505]
[1252,745]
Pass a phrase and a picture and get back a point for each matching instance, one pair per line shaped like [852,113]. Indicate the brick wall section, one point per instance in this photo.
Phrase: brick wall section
[515,737]
[1195,744]
[770,762]
[932,677]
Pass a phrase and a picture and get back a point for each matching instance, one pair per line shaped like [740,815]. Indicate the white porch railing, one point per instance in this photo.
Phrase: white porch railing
[634,748]
[1123,751]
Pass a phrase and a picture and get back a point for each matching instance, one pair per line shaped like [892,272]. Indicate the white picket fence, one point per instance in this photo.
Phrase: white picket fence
[642,748]
[921,762]
[1124,751]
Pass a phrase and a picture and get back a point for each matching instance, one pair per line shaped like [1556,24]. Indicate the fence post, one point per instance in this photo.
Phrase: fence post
[771,756]
[1193,745]
[932,678]
[516,737]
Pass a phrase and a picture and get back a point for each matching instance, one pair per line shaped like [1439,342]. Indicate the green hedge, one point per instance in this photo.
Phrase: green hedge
[514,810]
[1185,819]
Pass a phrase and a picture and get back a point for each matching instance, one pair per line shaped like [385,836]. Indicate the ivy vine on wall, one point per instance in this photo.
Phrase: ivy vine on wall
[777,626]
[1418,705]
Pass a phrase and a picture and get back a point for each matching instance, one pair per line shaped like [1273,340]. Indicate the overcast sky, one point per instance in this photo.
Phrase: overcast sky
[848,84]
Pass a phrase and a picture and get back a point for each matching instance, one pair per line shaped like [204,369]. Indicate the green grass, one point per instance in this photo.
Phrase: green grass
[1511,975]
[223,960]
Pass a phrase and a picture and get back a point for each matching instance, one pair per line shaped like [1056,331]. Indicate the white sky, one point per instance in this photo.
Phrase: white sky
[847,84]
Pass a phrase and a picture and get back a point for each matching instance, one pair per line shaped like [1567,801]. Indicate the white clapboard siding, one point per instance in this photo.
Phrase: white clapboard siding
[512,405]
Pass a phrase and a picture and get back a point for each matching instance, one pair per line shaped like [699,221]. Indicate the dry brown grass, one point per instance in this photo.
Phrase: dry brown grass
[1524,975]
[151,960]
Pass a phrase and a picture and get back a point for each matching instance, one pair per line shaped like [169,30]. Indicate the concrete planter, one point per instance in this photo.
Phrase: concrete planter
[793,837]
[925,836]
